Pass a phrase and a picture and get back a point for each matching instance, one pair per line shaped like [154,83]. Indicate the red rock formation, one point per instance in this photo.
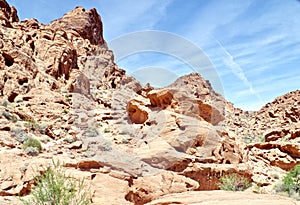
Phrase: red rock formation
[86,24]
[8,14]
[59,83]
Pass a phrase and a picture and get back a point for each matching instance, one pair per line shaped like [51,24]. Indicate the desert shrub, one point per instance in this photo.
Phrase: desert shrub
[291,183]
[92,132]
[34,143]
[14,118]
[31,124]
[54,187]
[233,182]
[106,130]
[253,139]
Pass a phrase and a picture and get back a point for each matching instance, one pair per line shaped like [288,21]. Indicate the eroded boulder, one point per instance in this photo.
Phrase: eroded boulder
[148,188]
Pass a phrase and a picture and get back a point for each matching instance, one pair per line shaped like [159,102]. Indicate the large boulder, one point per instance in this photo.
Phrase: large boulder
[138,114]
[148,188]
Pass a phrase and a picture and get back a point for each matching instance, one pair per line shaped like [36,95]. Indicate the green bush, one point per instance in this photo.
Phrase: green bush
[291,182]
[233,182]
[92,132]
[31,142]
[31,124]
[54,187]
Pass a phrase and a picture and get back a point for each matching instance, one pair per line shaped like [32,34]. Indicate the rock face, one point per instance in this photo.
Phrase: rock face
[148,188]
[79,22]
[8,14]
[59,84]
[276,121]
[221,197]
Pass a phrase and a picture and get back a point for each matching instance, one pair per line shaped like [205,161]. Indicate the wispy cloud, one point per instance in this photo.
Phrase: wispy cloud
[236,69]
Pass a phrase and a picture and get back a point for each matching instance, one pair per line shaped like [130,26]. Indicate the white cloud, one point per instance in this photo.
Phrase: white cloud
[237,70]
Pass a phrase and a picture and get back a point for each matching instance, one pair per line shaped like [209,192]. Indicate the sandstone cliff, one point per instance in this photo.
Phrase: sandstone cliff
[59,84]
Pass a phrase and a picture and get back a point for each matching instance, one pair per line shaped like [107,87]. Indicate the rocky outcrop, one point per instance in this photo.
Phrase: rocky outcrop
[284,154]
[160,98]
[60,85]
[149,188]
[79,22]
[195,85]
[137,114]
[180,101]
[8,14]
[276,121]
[208,175]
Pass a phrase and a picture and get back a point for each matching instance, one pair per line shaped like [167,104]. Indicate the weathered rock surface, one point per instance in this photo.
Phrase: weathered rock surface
[59,84]
[79,22]
[221,197]
[284,155]
[276,121]
[8,14]
[149,188]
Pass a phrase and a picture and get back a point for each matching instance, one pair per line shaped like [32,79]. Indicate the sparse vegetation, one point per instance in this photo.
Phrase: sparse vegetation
[68,98]
[31,124]
[253,139]
[106,130]
[9,116]
[31,143]
[55,187]
[92,132]
[35,126]
[290,184]
[14,118]
[234,182]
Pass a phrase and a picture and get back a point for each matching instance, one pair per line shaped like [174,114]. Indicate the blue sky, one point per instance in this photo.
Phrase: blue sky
[253,45]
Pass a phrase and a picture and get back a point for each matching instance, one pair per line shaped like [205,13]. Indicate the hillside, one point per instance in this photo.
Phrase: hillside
[133,144]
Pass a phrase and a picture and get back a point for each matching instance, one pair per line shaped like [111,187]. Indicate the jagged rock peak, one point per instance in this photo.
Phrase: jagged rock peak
[284,101]
[8,14]
[87,23]
[197,86]
[196,83]
[192,78]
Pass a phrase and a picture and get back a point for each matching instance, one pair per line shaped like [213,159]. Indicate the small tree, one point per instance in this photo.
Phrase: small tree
[54,187]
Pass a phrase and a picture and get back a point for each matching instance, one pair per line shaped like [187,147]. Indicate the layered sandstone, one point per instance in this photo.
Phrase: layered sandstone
[59,84]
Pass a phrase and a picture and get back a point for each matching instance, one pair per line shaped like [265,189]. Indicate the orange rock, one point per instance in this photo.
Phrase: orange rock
[138,113]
